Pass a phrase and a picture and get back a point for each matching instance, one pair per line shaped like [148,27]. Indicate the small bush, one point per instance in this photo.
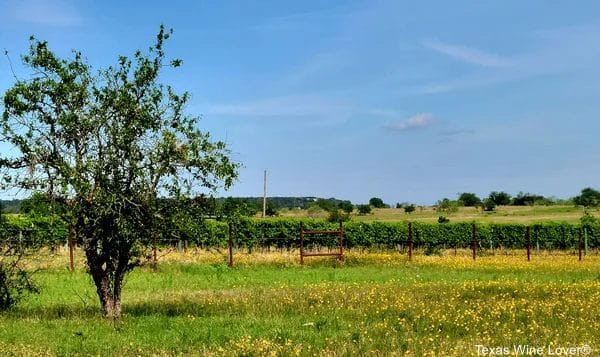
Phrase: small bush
[336,215]
[14,283]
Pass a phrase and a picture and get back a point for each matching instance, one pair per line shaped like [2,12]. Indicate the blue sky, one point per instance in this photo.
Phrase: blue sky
[408,101]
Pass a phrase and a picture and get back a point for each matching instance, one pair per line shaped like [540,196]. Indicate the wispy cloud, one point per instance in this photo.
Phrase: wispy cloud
[284,106]
[558,50]
[455,132]
[468,54]
[315,67]
[40,12]
[412,123]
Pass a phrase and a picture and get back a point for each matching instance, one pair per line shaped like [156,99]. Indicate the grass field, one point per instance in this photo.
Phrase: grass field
[374,303]
[502,214]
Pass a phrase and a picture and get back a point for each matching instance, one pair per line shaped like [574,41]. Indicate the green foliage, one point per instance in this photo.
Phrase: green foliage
[500,198]
[377,202]
[448,206]
[364,209]
[231,206]
[489,204]
[271,209]
[15,281]
[284,232]
[106,145]
[346,206]
[337,215]
[526,199]
[14,284]
[409,208]
[10,206]
[443,219]
[469,199]
[327,204]
[588,220]
[337,210]
[588,198]
[42,204]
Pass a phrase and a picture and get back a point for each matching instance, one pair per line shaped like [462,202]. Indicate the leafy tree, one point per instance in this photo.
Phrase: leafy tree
[377,202]
[40,204]
[398,205]
[588,198]
[409,208]
[346,206]
[364,209]
[500,198]
[107,146]
[231,206]
[489,204]
[469,199]
[526,199]
[448,206]
[327,204]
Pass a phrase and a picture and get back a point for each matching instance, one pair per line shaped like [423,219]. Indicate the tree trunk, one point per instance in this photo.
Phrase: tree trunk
[108,282]
[109,294]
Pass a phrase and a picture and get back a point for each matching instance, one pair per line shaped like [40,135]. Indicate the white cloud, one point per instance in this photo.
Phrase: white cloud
[49,13]
[414,122]
[468,54]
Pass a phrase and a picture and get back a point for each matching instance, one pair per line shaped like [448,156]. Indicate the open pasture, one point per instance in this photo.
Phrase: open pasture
[502,214]
[373,303]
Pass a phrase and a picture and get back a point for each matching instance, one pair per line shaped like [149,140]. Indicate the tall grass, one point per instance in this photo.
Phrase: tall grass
[373,303]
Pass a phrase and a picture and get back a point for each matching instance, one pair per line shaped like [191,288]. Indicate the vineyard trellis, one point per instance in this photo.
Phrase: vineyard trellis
[284,234]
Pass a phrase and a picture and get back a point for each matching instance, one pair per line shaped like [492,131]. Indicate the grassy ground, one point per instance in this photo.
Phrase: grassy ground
[502,214]
[268,304]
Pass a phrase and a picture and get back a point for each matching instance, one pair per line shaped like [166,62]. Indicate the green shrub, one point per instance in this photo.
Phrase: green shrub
[364,209]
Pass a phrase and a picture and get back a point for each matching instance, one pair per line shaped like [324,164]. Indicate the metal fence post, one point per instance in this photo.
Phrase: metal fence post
[230,243]
[474,241]
[528,239]
[301,243]
[410,241]
[341,236]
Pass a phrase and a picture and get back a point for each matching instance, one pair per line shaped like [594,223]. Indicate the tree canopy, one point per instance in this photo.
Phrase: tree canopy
[469,199]
[500,198]
[588,198]
[108,144]
[377,202]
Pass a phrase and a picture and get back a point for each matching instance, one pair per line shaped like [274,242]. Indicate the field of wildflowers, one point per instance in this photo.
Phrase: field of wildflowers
[267,304]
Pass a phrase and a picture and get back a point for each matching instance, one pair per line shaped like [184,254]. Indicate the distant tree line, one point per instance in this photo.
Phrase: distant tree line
[341,209]
[589,197]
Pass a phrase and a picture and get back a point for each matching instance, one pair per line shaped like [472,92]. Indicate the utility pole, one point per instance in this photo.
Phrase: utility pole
[265,194]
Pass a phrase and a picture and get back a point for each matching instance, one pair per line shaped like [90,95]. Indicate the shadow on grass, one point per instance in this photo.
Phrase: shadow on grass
[147,308]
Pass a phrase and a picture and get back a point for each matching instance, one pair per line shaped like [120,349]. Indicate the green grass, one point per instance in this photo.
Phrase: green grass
[372,303]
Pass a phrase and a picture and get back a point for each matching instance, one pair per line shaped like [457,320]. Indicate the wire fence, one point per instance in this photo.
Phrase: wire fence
[321,239]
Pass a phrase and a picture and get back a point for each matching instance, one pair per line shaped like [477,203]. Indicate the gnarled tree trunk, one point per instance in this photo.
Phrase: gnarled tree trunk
[108,280]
